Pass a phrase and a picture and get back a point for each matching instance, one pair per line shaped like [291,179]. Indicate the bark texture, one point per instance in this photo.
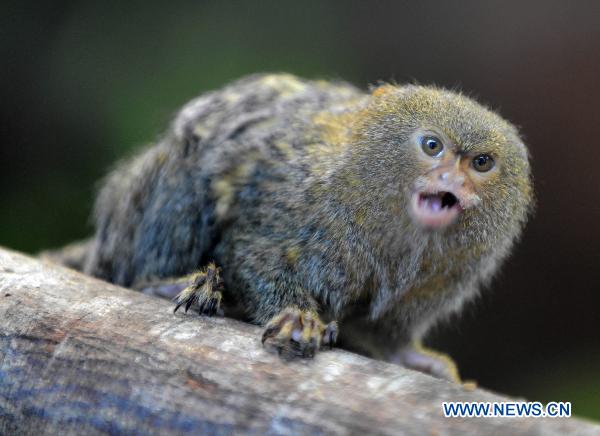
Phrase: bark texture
[81,356]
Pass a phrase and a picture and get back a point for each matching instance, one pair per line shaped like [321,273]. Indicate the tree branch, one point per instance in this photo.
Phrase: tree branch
[78,355]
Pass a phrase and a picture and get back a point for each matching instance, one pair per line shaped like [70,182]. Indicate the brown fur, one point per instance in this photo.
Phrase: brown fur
[299,190]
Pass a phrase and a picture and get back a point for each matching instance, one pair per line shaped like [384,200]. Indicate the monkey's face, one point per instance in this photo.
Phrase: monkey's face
[449,181]
[446,162]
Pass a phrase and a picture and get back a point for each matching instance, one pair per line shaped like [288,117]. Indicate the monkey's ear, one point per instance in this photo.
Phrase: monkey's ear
[383,88]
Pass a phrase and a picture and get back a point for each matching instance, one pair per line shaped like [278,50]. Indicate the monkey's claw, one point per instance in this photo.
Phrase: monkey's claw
[204,291]
[296,332]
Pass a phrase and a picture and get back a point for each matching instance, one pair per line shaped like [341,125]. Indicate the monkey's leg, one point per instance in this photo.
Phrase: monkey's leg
[274,294]
[201,289]
[297,332]
[415,356]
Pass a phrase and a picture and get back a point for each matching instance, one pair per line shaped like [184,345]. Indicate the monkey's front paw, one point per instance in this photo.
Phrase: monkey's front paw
[203,290]
[296,332]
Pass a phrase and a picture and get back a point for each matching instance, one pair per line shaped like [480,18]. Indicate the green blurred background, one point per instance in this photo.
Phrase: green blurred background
[83,84]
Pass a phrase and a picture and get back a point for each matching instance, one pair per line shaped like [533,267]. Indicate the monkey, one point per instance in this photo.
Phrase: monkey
[322,212]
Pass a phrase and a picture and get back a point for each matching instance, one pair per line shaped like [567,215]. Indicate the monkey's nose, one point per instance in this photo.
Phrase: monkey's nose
[454,177]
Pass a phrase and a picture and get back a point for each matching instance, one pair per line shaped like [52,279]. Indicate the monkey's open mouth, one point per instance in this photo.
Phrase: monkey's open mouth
[435,210]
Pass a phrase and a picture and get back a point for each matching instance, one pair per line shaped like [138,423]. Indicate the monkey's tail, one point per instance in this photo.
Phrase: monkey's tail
[72,255]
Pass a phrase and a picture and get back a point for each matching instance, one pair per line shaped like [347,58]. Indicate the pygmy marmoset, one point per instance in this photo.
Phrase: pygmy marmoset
[382,211]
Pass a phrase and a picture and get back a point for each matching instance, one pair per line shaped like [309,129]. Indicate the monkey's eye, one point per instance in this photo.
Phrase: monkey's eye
[483,163]
[431,145]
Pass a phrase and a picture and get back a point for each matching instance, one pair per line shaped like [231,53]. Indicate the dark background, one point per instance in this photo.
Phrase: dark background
[84,83]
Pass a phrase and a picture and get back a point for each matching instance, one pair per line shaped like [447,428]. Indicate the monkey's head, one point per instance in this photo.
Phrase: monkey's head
[441,163]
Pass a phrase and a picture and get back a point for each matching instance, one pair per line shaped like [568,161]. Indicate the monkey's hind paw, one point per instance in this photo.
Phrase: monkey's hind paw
[439,365]
[203,290]
[296,332]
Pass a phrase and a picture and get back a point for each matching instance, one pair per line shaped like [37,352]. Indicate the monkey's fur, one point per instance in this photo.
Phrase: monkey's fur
[300,191]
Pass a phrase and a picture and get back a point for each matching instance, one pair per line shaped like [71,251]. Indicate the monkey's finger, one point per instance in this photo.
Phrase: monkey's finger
[309,337]
[190,300]
[286,331]
[272,329]
[275,325]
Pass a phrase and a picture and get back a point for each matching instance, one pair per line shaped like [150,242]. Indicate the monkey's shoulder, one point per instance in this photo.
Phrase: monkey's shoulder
[266,100]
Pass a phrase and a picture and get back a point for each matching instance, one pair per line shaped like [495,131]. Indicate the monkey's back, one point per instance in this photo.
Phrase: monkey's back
[161,213]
